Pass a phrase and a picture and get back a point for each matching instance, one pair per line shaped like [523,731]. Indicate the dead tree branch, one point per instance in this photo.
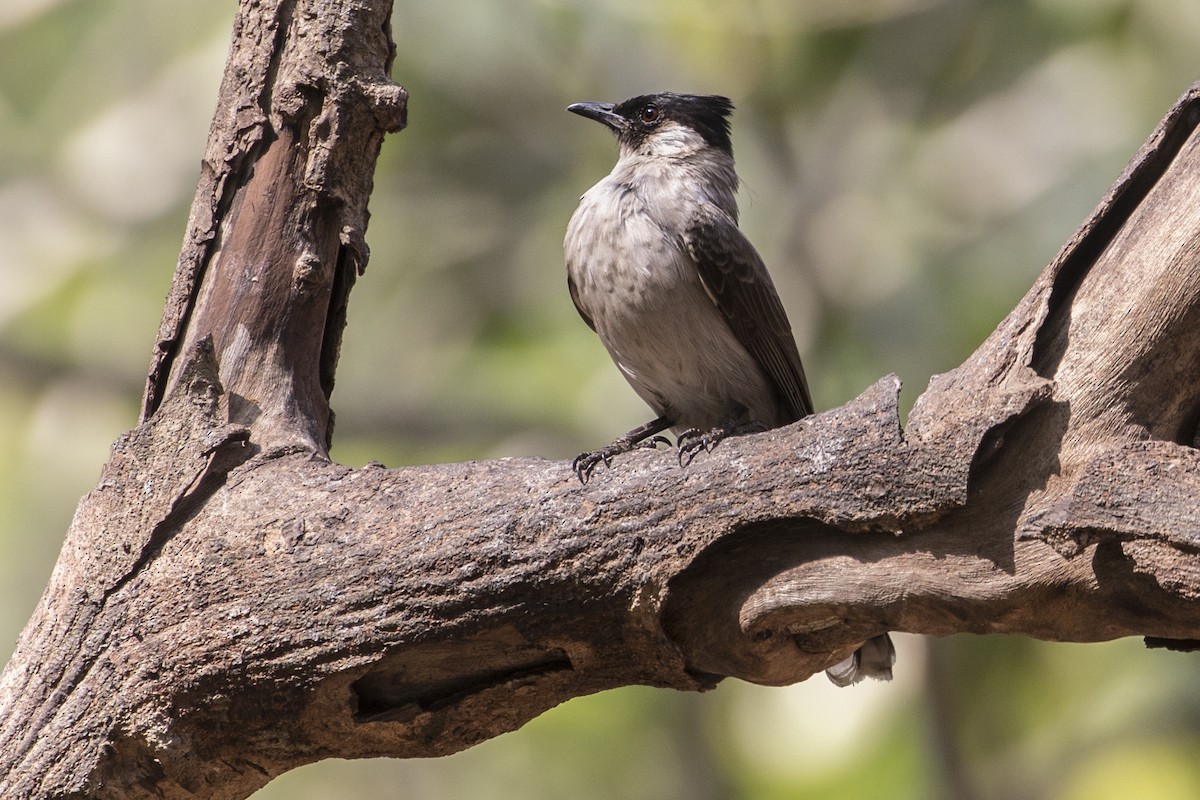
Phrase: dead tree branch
[229,604]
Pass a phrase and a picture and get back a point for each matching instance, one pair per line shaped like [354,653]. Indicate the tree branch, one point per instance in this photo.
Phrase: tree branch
[229,604]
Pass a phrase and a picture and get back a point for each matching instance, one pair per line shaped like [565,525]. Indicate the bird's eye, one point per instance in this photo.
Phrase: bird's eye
[649,114]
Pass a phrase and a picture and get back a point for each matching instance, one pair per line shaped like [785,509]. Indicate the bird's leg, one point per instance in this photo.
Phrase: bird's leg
[641,436]
[693,440]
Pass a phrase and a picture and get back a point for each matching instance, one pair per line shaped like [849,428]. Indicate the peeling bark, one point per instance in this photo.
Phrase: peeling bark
[229,604]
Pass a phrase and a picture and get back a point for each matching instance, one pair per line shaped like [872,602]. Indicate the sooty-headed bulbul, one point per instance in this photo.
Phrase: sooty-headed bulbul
[659,269]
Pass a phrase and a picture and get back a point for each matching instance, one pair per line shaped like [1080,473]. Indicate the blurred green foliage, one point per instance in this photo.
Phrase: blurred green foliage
[909,167]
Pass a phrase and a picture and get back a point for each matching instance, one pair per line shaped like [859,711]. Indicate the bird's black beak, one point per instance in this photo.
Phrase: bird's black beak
[601,112]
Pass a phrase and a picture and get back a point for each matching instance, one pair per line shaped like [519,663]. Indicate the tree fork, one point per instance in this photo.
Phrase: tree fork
[229,604]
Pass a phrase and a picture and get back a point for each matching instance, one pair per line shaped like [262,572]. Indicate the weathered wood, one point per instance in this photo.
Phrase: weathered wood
[229,604]
[275,237]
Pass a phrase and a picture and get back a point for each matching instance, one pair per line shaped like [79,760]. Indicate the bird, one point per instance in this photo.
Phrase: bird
[658,267]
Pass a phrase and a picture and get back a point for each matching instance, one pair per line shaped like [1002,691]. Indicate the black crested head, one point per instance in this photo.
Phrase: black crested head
[706,114]
[637,118]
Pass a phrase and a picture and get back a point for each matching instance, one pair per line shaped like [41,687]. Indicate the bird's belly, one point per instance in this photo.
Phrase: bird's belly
[674,347]
[645,298]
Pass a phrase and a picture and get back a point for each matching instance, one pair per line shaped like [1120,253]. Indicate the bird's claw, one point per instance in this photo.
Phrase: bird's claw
[585,463]
[693,440]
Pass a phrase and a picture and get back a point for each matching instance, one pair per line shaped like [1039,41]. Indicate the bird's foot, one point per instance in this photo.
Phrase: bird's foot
[693,440]
[643,436]
[585,463]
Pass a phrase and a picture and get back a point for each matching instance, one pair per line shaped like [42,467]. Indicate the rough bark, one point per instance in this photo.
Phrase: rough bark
[229,604]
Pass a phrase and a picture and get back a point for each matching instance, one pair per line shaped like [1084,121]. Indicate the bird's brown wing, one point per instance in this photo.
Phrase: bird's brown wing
[737,281]
[575,299]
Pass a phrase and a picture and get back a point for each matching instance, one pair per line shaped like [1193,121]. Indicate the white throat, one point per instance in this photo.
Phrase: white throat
[675,163]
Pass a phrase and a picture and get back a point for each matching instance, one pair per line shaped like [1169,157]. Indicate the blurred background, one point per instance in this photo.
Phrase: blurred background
[909,167]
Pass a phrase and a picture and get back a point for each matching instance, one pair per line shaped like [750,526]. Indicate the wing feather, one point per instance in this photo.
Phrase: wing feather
[737,281]
[575,299]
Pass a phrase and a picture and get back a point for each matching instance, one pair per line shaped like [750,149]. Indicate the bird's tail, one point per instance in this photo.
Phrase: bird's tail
[873,660]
